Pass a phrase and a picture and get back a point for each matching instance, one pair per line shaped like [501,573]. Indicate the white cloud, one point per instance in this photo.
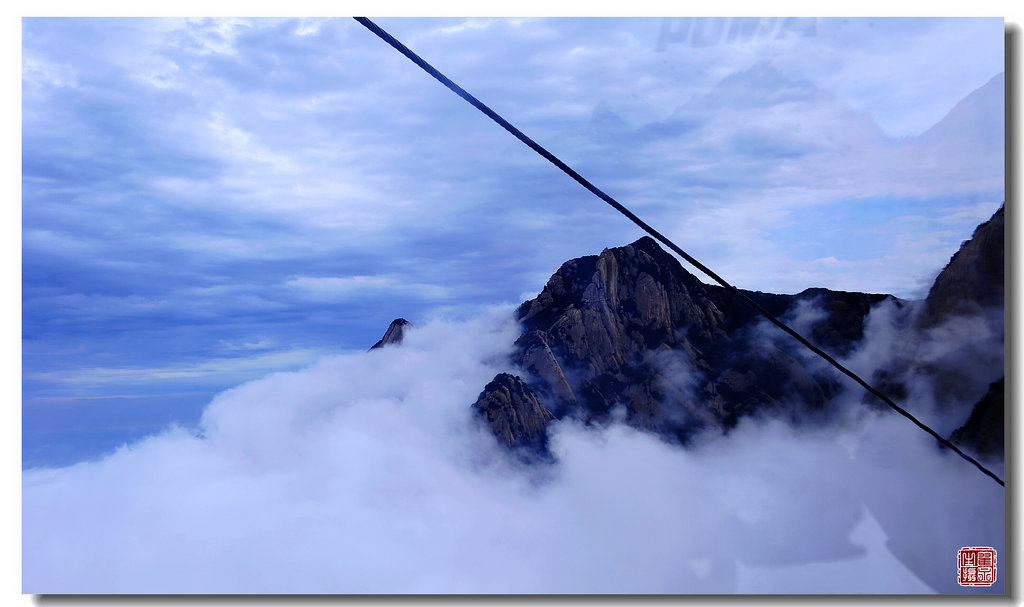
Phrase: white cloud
[243,147]
[36,71]
[309,27]
[365,473]
[351,172]
[260,344]
[467,24]
[217,370]
[364,466]
[331,288]
[216,36]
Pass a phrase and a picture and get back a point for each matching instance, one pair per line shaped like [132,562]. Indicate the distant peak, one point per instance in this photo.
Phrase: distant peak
[394,334]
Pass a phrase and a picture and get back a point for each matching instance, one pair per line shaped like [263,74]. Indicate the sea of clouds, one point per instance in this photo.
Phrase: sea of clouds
[367,473]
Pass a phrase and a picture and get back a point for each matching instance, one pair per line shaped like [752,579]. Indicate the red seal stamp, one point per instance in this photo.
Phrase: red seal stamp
[976,566]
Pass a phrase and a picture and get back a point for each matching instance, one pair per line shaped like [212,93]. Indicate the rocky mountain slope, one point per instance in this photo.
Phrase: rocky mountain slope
[982,433]
[632,329]
[972,282]
[394,334]
[954,344]
[514,413]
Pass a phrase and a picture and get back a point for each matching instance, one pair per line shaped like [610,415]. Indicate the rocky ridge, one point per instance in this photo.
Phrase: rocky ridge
[630,328]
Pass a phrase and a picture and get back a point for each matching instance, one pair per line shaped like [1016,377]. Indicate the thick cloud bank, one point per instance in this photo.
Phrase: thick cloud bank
[367,473]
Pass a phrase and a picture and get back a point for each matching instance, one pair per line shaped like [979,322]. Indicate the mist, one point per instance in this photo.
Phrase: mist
[366,473]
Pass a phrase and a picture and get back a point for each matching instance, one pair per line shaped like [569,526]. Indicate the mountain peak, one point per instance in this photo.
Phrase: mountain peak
[650,246]
[394,334]
[631,328]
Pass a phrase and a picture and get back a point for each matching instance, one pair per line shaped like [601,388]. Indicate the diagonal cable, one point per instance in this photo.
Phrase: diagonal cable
[386,37]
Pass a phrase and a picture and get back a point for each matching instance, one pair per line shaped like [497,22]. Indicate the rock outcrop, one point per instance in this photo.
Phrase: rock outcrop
[514,413]
[630,327]
[982,433]
[972,281]
[952,346]
[394,334]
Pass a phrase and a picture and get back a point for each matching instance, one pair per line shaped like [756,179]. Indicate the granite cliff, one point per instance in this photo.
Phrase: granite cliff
[632,328]
[952,346]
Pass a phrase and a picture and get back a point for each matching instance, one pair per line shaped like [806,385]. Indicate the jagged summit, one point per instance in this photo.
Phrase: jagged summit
[632,327]
[631,279]
[394,334]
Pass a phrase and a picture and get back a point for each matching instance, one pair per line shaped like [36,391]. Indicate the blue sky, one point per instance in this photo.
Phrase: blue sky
[208,201]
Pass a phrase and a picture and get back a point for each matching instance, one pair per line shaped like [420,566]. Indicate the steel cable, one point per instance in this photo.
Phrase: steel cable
[386,37]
